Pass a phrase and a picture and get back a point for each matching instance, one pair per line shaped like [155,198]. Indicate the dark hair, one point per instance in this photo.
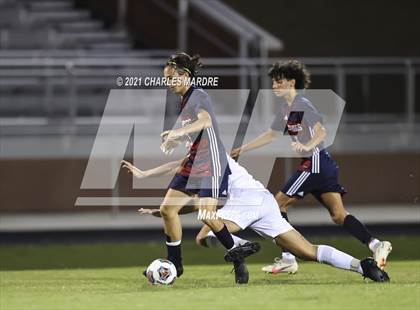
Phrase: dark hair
[291,69]
[185,62]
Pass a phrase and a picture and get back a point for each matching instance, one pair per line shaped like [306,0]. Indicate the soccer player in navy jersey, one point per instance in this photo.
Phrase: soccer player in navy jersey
[204,172]
[318,172]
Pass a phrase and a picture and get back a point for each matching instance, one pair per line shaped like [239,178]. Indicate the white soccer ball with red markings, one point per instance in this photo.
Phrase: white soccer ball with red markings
[161,272]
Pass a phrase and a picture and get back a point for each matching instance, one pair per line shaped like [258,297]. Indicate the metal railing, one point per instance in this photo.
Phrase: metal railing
[54,77]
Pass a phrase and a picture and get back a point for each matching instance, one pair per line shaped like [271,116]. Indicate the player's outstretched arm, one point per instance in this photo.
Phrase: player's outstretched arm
[203,121]
[157,171]
[263,139]
[156,212]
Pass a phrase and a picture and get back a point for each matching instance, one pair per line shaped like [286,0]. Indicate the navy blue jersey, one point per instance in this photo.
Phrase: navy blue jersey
[207,155]
[298,120]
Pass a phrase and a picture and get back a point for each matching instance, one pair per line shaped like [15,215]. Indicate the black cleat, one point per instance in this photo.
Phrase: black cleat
[240,252]
[241,272]
[179,270]
[372,271]
[178,266]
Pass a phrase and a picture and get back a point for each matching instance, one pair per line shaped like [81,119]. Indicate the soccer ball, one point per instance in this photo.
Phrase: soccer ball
[161,271]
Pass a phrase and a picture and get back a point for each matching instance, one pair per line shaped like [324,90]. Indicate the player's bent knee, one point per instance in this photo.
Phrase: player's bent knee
[284,201]
[167,211]
[199,240]
[215,225]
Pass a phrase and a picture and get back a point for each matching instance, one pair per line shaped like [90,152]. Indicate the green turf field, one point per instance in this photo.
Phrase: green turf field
[108,276]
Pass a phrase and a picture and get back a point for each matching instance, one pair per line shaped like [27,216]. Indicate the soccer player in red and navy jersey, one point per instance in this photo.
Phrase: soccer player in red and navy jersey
[318,172]
[204,172]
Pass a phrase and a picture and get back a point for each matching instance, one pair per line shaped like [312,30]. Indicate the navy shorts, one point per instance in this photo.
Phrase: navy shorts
[304,181]
[202,186]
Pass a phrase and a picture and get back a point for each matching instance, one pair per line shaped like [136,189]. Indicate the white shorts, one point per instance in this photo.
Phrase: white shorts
[257,210]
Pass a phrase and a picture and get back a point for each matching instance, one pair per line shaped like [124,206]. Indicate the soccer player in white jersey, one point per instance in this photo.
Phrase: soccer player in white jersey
[251,205]
[317,173]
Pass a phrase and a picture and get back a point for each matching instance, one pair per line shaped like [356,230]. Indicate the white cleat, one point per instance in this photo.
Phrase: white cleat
[381,253]
[281,266]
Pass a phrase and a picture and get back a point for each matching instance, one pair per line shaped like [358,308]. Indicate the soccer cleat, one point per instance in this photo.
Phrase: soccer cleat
[178,266]
[179,270]
[242,251]
[281,266]
[372,271]
[241,272]
[381,253]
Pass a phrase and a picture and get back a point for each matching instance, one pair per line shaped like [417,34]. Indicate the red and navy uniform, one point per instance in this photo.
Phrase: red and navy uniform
[205,170]
[318,172]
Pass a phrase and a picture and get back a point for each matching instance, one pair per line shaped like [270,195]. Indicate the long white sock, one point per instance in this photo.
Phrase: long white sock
[331,256]
[236,240]
[373,244]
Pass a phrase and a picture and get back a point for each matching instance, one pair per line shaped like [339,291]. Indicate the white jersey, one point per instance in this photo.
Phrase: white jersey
[240,179]
[251,205]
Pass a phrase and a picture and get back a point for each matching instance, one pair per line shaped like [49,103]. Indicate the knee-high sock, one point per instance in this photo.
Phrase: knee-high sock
[225,238]
[174,251]
[237,241]
[357,229]
[331,256]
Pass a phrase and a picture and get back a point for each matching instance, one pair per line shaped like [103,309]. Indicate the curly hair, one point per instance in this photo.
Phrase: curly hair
[291,69]
[185,63]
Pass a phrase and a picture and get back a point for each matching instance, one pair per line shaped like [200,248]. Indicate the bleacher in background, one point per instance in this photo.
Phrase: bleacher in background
[55,24]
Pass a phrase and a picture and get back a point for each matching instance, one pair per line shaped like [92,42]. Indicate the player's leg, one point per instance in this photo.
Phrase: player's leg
[208,207]
[173,202]
[217,225]
[236,253]
[303,249]
[284,203]
[334,204]
[207,238]
[285,198]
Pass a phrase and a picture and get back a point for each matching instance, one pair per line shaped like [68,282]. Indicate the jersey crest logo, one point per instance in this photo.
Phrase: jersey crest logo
[294,123]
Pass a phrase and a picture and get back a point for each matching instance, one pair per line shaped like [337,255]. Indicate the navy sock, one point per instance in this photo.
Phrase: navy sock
[225,237]
[357,229]
[174,252]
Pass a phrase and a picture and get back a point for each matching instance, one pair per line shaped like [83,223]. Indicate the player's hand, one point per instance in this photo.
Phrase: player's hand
[168,146]
[133,170]
[299,147]
[235,152]
[171,140]
[171,135]
[154,212]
